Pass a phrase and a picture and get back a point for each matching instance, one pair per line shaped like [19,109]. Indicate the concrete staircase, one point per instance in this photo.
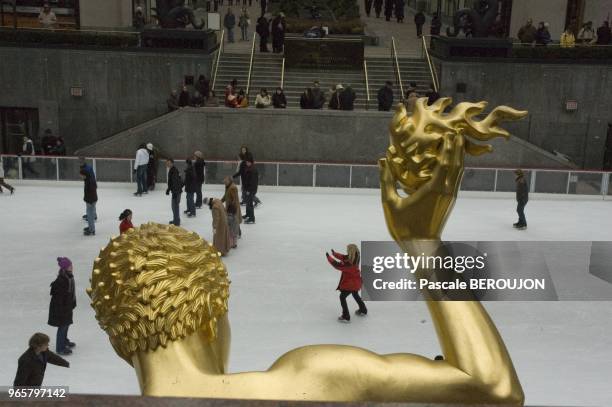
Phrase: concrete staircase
[267,74]
[381,70]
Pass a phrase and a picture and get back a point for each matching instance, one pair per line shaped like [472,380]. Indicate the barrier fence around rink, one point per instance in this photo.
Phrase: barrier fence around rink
[304,174]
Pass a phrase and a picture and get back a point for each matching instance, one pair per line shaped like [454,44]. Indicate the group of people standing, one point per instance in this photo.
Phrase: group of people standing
[385,96]
[392,8]
[340,97]
[198,94]
[528,34]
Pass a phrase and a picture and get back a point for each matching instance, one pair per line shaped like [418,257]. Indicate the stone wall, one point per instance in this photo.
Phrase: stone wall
[543,90]
[121,88]
[289,135]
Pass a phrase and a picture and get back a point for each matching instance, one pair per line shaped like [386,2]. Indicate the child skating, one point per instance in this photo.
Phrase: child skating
[126,221]
[350,280]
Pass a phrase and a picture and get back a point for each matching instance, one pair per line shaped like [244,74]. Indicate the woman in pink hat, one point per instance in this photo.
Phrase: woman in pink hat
[63,301]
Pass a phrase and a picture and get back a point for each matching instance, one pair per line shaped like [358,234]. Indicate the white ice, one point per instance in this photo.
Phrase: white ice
[283,292]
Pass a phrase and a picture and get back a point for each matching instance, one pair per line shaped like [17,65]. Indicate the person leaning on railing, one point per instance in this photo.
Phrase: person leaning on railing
[604,35]
[47,18]
[542,36]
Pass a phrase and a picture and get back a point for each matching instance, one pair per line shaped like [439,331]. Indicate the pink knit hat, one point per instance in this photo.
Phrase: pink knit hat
[64,263]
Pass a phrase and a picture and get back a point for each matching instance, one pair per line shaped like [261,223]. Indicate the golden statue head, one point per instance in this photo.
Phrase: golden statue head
[156,284]
[417,140]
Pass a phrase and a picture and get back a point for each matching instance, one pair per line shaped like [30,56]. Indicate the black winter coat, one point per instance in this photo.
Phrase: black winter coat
[175,184]
[90,189]
[279,101]
[31,369]
[522,192]
[385,98]
[63,299]
[198,167]
[251,179]
[347,99]
[190,179]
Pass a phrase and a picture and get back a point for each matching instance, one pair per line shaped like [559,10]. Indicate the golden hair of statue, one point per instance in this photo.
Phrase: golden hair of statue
[161,292]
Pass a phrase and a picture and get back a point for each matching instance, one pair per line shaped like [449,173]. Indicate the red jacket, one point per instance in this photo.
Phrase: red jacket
[125,226]
[350,280]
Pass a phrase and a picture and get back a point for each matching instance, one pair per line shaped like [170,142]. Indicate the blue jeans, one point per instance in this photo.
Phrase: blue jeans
[61,339]
[141,178]
[191,203]
[520,209]
[176,215]
[91,216]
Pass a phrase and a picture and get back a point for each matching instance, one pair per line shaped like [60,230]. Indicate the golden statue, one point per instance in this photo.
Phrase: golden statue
[161,294]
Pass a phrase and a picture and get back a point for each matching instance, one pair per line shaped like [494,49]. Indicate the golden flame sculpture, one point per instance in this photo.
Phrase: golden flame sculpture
[161,294]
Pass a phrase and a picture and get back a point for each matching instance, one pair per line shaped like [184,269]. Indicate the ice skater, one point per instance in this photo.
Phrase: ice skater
[141,163]
[63,301]
[91,198]
[175,185]
[522,196]
[221,233]
[232,207]
[350,280]
[2,183]
[33,363]
[126,221]
[191,187]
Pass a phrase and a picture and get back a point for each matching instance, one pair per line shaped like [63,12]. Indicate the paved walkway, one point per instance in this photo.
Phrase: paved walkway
[405,33]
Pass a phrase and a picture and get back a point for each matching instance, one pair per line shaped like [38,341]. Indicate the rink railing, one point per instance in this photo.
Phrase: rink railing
[572,182]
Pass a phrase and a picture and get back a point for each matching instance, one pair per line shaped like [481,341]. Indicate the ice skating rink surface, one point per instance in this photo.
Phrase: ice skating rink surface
[283,291]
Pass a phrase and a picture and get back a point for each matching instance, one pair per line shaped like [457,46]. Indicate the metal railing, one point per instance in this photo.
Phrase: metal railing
[248,88]
[432,68]
[567,182]
[217,59]
[367,84]
[282,83]
[396,66]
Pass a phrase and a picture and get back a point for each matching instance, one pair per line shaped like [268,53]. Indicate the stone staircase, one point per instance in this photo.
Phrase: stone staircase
[267,74]
[381,70]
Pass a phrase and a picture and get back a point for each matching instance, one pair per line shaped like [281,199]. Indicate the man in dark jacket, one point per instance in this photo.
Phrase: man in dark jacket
[347,98]
[229,22]
[63,301]
[604,34]
[199,173]
[378,7]
[389,4]
[263,30]
[33,363]
[318,98]
[419,20]
[151,167]
[190,189]
[175,186]
[91,198]
[522,196]
[251,182]
[278,33]
[436,24]
[385,97]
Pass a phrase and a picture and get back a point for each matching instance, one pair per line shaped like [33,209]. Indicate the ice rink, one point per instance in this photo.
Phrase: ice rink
[283,291]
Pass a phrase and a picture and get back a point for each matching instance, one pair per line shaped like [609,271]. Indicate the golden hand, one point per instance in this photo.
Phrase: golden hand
[422,214]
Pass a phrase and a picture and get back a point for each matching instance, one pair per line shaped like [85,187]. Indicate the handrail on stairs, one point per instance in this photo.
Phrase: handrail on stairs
[395,62]
[248,88]
[282,84]
[432,67]
[367,84]
[216,63]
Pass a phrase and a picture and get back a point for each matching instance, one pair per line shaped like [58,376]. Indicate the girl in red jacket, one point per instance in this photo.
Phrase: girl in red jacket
[350,280]
[126,221]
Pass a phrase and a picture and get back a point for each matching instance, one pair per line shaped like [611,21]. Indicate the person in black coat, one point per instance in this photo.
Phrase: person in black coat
[419,20]
[378,7]
[278,33]
[263,30]
[91,198]
[431,95]
[63,301]
[32,363]
[436,24]
[151,167]
[244,155]
[191,185]
[385,97]
[279,101]
[347,98]
[175,186]
[198,167]
[251,182]
[522,196]
[389,4]
[368,7]
[399,10]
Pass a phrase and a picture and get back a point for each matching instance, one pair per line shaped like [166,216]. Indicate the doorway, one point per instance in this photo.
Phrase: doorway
[15,123]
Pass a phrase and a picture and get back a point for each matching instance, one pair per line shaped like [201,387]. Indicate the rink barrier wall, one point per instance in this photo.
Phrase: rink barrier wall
[304,174]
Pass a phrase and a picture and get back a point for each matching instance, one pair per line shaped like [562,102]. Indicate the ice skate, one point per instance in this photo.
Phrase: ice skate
[344,320]
[361,313]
